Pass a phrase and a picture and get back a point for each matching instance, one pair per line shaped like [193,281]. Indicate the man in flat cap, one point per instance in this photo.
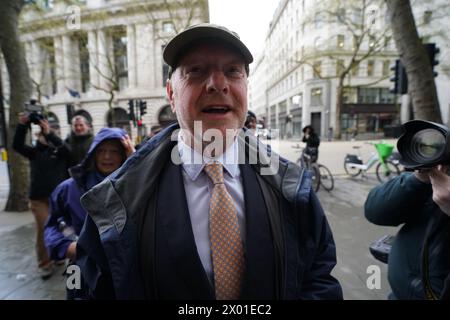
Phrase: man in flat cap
[193,215]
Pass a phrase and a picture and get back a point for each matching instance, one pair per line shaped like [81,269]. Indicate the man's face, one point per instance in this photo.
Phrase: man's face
[108,156]
[209,85]
[80,127]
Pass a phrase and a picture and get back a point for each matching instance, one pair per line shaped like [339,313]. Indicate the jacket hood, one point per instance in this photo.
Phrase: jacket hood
[102,135]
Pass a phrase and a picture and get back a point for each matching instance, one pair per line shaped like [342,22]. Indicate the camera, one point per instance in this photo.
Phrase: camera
[424,145]
[35,112]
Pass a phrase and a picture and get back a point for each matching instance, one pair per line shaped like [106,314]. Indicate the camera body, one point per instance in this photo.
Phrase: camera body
[35,112]
[424,145]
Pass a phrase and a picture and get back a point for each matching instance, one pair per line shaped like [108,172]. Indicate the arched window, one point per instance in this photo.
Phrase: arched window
[166,116]
[121,119]
[52,119]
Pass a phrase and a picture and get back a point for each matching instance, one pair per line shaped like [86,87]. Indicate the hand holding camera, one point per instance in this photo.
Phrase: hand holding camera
[440,182]
[35,112]
[425,146]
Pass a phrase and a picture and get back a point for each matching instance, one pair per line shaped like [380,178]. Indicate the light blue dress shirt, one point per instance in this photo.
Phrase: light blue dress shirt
[198,187]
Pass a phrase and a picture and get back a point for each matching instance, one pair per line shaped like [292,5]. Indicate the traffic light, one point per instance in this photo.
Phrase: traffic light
[432,51]
[394,79]
[131,110]
[400,79]
[143,107]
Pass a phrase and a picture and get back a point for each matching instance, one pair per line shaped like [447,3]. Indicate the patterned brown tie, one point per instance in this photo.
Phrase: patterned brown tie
[226,243]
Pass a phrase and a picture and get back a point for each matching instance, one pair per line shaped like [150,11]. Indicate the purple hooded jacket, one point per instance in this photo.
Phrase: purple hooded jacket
[65,199]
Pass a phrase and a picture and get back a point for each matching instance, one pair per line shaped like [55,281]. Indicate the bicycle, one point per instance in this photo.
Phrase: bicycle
[386,168]
[321,175]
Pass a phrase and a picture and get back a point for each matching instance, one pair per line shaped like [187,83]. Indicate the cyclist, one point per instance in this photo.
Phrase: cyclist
[312,143]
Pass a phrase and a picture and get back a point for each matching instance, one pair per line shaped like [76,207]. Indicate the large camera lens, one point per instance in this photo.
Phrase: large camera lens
[428,144]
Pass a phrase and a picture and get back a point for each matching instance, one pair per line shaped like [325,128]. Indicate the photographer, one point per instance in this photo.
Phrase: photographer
[419,263]
[48,169]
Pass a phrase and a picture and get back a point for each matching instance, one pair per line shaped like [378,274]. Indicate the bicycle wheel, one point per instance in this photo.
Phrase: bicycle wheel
[315,177]
[351,171]
[326,178]
[384,175]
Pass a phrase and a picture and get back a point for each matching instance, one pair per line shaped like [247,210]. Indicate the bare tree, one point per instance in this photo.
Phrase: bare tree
[20,90]
[359,19]
[414,57]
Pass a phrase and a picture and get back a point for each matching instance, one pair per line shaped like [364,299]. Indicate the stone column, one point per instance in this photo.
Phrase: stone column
[36,62]
[103,68]
[68,57]
[93,59]
[146,72]
[131,56]
[59,61]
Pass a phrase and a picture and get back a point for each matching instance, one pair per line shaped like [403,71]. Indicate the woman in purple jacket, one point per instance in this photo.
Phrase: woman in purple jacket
[109,150]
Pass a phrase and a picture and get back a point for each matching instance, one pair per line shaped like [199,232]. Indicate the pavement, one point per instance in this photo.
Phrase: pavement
[343,207]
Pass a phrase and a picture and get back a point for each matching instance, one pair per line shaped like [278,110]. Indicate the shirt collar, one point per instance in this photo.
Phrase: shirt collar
[193,162]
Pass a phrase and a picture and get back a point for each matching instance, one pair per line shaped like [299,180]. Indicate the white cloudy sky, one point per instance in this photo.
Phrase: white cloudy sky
[249,18]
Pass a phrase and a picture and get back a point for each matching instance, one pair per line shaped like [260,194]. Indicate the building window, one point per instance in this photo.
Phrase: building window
[48,83]
[370,68]
[372,41]
[372,17]
[317,69]
[319,19]
[297,101]
[339,67]
[427,17]
[340,41]
[386,96]
[317,43]
[355,69]
[356,40]
[368,95]
[357,16]
[316,97]
[84,61]
[119,38]
[341,15]
[168,27]
[385,68]
[387,42]
[350,95]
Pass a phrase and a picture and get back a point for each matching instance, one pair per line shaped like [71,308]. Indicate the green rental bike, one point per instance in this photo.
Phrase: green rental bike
[386,168]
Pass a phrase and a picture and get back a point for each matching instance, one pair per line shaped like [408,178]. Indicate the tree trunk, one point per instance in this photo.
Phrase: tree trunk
[20,90]
[414,57]
[339,102]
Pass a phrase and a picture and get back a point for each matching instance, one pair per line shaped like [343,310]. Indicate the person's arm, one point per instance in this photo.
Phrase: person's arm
[19,138]
[55,241]
[397,201]
[50,136]
[318,283]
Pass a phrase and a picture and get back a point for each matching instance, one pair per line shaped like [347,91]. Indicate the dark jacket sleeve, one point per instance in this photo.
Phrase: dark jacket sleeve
[19,142]
[63,149]
[396,201]
[55,241]
[318,283]
[97,282]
